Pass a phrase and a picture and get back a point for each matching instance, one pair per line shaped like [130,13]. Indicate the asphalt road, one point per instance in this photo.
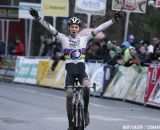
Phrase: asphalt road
[27,107]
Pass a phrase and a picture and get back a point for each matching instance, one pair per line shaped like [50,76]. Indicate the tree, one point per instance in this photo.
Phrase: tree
[146,25]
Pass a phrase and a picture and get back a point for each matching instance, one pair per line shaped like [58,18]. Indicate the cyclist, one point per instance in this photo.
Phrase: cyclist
[74,47]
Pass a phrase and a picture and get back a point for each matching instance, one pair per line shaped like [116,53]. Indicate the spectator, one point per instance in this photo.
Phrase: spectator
[19,47]
[131,40]
[115,42]
[57,54]
[116,55]
[101,50]
[116,46]
[57,51]
[118,60]
[12,45]
[124,46]
[47,47]
[149,47]
[143,56]
[110,53]
[92,53]
[131,56]
[156,51]
[111,48]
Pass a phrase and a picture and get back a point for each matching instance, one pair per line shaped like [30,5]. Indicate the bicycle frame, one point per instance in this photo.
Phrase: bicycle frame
[78,106]
[77,93]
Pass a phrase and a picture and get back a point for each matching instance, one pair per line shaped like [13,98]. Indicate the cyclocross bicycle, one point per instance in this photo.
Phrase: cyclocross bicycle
[78,108]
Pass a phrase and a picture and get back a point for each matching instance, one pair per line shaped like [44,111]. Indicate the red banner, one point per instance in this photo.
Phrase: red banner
[157,3]
[154,74]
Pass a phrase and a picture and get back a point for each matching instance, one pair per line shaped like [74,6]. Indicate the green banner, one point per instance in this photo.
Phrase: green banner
[7,69]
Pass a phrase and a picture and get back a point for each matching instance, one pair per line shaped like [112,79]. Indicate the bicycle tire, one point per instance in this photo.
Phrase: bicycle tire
[80,116]
[74,115]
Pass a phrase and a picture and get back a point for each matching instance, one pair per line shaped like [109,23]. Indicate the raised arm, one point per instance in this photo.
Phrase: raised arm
[45,24]
[105,25]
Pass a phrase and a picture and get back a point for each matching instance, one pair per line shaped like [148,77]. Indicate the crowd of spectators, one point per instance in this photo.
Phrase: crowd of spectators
[126,53]
[106,51]
[110,52]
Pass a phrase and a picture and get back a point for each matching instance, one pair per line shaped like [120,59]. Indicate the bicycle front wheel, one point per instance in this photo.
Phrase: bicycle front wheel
[80,116]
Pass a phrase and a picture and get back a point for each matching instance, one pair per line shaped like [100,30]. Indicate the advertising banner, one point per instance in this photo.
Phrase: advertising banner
[45,74]
[155,95]
[154,75]
[9,12]
[10,69]
[59,75]
[111,88]
[119,86]
[97,78]
[136,92]
[91,67]
[7,69]
[137,6]
[157,3]
[19,61]
[55,8]
[24,9]
[18,68]
[2,69]
[23,70]
[95,7]
[109,73]
[32,76]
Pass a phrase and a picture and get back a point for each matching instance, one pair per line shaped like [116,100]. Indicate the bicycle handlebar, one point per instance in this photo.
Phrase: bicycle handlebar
[80,86]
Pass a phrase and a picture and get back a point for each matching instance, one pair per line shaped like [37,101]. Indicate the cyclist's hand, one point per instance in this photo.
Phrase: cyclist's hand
[118,15]
[34,13]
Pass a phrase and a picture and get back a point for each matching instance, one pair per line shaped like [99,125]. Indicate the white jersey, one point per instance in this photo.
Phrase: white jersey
[75,48]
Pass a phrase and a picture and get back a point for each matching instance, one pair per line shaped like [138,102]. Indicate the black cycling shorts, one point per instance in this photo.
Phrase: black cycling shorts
[75,70]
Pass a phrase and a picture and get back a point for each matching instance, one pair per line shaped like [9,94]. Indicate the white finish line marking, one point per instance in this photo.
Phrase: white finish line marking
[27,90]
[145,117]
[49,95]
[97,117]
[94,117]
[63,98]
[57,119]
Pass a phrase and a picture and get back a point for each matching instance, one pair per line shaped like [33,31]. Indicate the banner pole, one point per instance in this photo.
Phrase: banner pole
[126,25]
[7,36]
[89,20]
[29,37]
